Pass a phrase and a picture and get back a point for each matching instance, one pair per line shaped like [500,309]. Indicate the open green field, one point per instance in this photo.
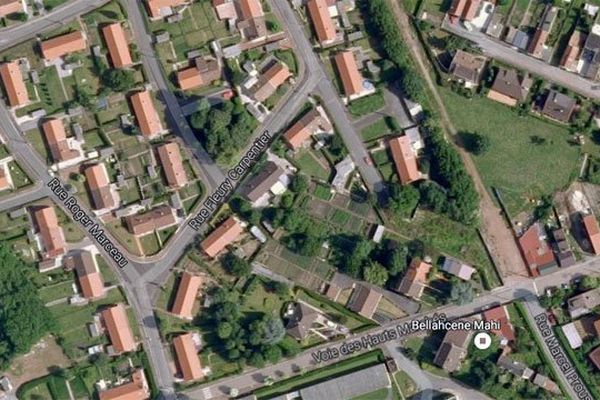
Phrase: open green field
[375,130]
[520,169]
[307,162]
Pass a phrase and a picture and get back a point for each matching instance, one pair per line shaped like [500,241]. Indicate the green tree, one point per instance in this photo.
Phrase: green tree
[224,330]
[299,183]
[119,80]
[461,292]
[433,197]
[404,199]
[375,273]
[397,261]
[236,266]
[359,254]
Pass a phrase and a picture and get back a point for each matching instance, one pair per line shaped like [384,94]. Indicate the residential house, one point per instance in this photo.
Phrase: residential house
[415,279]
[270,180]
[515,367]
[99,187]
[343,170]
[156,219]
[298,134]
[170,159]
[364,300]
[537,47]
[188,361]
[405,159]
[8,7]
[536,251]
[571,56]
[204,71]
[119,332]
[251,19]
[589,63]
[136,389]
[225,234]
[162,8]
[452,350]
[186,295]
[318,10]
[464,10]
[62,45]
[118,48]
[506,333]
[517,38]
[270,80]
[546,383]
[56,138]
[594,356]
[467,68]
[564,254]
[509,88]
[352,81]
[559,107]
[51,235]
[225,9]
[14,86]
[303,320]
[88,276]
[583,303]
[4,178]
[590,223]
[457,268]
[416,140]
[146,114]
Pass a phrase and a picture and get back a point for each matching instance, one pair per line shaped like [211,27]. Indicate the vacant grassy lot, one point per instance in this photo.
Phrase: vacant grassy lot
[375,130]
[310,163]
[514,164]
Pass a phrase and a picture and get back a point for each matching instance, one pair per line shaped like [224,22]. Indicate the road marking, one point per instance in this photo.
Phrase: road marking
[537,293]
[207,393]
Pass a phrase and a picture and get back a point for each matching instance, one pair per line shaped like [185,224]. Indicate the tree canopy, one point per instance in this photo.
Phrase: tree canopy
[23,318]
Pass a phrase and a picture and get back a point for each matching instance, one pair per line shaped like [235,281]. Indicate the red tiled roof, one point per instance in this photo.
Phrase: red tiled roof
[119,331]
[63,45]
[591,227]
[88,276]
[114,35]
[10,7]
[536,252]
[348,70]
[499,314]
[56,137]
[218,239]
[404,159]
[187,357]
[319,14]
[268,82]
[145,114]
[50,231]
[13,84]
[137,389]
[170,158]
[99,186]
[186,295]
[154,6]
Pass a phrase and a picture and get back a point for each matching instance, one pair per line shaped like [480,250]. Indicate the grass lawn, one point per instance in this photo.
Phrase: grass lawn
[375,130]
[513,164]
[307,161]
[334,310]
[36,139]
[407,386]
[322,192]
[19,177]
[313,377]
[57,291]
[50,90]
[259,299]
[452,238]
[150,244]
[366,105]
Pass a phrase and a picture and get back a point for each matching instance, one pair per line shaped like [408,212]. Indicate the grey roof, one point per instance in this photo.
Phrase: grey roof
[457,268]
[559,106]
[584,303]
[467,66]
[509,83]
[259,184]
[349,386]
[452,350]
[521,40]
[302,320]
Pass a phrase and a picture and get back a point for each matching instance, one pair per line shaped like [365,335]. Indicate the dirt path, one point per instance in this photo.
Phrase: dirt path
[497,235]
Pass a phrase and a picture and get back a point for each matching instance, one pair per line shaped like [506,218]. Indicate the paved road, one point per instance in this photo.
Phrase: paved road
[505,53]
[430,383]
[56,18]
[328,94]
[523,289]
[25,196]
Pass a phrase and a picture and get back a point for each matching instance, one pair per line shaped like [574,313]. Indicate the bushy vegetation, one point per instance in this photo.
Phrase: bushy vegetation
[23,318]
[255,341]
[223,129]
